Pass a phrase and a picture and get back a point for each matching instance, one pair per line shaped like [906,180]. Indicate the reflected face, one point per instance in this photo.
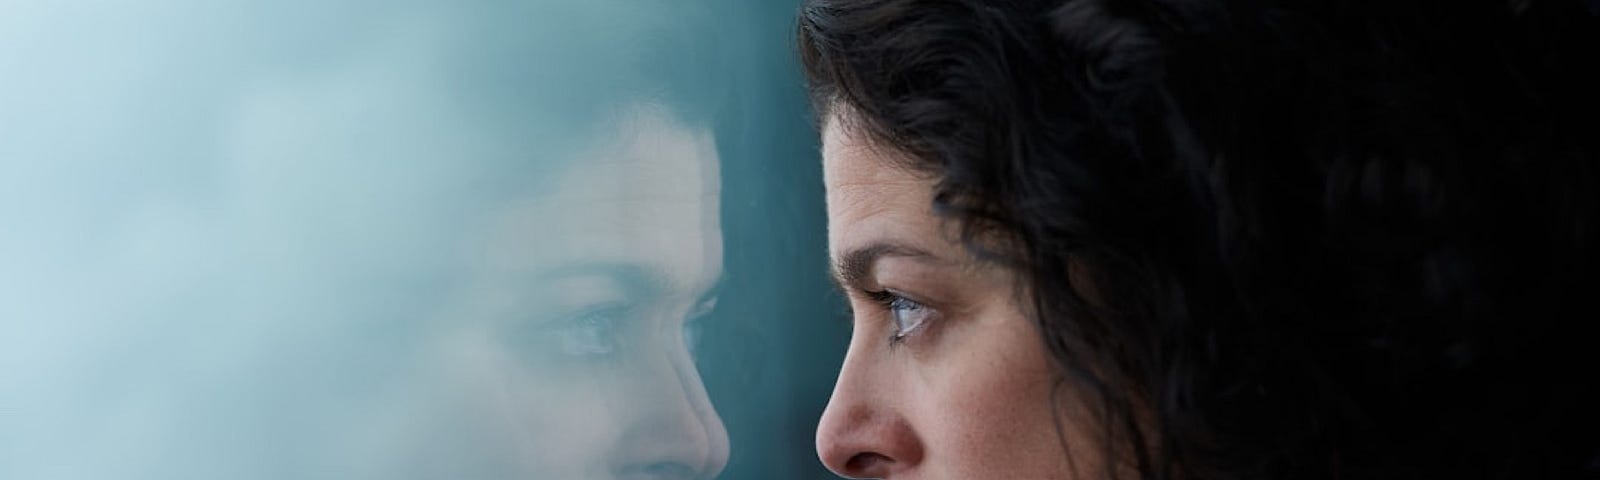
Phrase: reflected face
[584,305]
[946,377]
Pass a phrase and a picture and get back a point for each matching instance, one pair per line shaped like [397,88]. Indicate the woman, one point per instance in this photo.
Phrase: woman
[1209,239]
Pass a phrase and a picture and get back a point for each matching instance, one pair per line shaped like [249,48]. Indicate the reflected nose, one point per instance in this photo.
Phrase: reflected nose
[862,436]
[677,435]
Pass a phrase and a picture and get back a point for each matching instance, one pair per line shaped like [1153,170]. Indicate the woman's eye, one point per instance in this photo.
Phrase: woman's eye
[908,315]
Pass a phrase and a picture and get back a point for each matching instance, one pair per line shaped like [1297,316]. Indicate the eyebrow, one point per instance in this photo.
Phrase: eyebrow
[852,269]
[634,279]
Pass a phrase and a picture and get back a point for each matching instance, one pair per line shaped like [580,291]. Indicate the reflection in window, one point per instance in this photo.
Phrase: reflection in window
[503,239]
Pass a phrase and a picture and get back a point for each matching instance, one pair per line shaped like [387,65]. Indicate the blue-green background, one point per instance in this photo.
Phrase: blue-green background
[216,217]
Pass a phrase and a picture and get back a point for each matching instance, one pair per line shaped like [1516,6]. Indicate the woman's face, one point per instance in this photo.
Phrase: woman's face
[572,354]
[946,377]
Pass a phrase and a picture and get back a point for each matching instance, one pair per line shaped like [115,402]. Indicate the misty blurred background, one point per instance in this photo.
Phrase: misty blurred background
[540,239]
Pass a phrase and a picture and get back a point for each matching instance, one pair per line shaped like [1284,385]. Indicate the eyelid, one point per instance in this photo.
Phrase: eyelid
[890,300]
[887,295]
[879,296]
[567,317]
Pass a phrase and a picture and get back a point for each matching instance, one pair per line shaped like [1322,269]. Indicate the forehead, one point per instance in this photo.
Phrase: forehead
[647,194]
[873,196]
[850,157]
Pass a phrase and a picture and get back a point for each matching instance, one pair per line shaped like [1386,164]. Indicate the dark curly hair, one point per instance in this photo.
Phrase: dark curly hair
[1269,239]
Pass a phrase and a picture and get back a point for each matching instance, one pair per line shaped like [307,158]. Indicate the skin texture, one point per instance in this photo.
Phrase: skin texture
[968,393]
[570,351]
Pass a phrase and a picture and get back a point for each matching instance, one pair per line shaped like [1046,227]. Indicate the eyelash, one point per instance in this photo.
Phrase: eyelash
[891,302]
[590,334]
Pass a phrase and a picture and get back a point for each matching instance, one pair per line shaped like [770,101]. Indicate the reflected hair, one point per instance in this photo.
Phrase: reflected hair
[1267,239]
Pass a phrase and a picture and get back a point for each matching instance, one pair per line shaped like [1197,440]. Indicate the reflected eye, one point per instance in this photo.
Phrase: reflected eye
[588,334]
[908,315]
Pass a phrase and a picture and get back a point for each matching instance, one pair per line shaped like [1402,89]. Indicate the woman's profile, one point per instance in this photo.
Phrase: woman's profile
[1210,239]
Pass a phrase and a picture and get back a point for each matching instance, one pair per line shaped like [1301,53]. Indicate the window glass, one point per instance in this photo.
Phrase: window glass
[559,239]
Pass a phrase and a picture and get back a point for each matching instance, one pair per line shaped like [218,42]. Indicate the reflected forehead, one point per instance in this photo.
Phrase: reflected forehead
[636,279]
[646,195]
[646,153]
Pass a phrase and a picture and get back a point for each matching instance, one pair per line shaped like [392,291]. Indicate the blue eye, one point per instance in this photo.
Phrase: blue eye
[908,315]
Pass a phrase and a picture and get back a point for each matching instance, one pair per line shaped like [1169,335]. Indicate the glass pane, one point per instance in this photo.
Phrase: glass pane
[355,239]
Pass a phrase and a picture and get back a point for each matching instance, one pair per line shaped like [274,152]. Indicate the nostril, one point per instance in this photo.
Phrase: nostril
[866,463]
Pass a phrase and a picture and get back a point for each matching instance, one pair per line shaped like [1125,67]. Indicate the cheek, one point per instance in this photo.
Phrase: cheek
[489,412]
[545,419]
[565,428]
[989,406]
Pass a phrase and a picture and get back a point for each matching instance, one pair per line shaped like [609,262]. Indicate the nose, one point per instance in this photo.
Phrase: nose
[675,433]
[861,434]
